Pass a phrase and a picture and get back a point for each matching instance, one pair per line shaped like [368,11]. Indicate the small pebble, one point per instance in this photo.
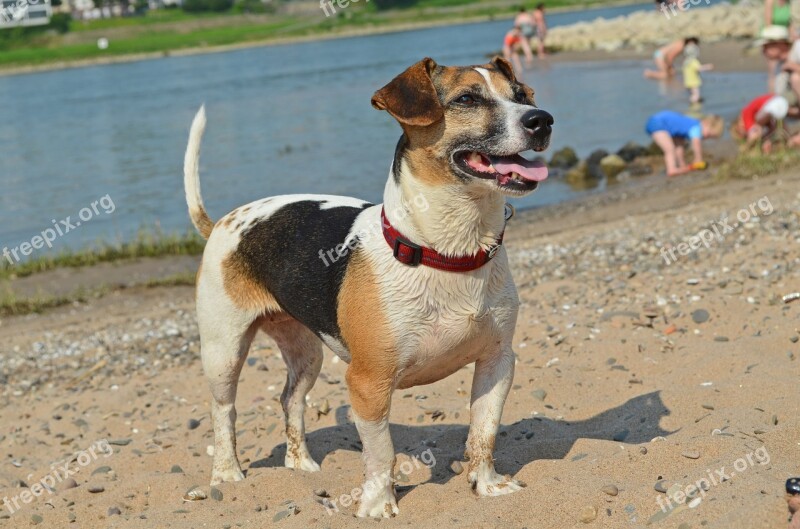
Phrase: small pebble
[195,495]
[661,486]
[95,489]
[588,514]
[68,483]
[101,470]
[176,469]
[36,519]
[700,316]
[322,493]
[457,467]
[611,490]
[193,424]
[691,454]
[539,394]
[215,494]
[114,511]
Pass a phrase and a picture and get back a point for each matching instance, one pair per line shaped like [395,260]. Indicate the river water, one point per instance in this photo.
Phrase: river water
[281,119]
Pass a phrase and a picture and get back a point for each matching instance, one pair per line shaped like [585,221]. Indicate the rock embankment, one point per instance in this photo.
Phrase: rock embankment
[647,29]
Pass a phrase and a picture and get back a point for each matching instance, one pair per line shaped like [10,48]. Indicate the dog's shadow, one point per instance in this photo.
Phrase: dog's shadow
[636,421]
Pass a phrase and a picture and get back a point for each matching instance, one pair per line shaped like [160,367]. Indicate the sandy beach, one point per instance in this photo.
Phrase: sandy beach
[634,376]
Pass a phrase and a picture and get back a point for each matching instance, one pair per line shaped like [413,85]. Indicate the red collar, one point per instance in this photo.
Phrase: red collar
[412,254]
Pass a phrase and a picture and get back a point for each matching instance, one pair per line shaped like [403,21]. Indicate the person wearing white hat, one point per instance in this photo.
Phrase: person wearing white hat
[775,43]
[787,80]
[759,119]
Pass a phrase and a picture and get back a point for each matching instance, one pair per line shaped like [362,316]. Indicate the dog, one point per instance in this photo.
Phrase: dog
[429,294]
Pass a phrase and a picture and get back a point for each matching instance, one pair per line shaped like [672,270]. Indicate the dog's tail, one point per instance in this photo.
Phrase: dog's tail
[191,176]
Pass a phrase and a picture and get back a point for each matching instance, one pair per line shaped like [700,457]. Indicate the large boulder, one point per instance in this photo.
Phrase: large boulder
[612,165]
[632,150]
[593,161]
[564,159]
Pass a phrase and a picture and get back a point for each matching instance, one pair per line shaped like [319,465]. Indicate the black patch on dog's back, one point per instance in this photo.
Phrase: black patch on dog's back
[282,253]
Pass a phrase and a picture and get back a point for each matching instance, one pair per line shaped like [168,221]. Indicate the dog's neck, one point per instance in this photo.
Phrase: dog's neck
[443,218]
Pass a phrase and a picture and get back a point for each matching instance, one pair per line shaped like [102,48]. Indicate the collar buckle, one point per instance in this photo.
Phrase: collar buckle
[412,258]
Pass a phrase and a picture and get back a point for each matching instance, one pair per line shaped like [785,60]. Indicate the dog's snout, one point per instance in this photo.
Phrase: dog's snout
[538,122]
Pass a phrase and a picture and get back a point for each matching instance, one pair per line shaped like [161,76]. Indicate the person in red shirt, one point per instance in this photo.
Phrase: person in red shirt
[512,43]
[759,119]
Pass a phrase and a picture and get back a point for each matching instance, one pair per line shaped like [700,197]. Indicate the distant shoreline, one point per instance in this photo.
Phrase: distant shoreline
[344,33]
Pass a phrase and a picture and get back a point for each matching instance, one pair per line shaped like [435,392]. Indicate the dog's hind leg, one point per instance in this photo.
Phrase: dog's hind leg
[224,344]
[302,352]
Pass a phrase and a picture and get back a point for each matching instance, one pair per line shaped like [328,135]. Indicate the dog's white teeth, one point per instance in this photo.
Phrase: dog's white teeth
[516,176]
[475,157]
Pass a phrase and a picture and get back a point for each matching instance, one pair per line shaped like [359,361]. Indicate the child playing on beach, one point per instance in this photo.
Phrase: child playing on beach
[760,119]
[671,131]
[691,71]
[511,44]
[665,56]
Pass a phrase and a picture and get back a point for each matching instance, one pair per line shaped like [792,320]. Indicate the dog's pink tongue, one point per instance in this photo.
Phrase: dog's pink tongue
[527,169]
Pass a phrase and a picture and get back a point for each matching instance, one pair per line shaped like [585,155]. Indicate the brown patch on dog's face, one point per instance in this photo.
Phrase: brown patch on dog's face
[448,112]
[368,337]
[243,290]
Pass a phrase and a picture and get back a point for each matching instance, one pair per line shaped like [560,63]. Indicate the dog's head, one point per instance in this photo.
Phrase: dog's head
[467,126]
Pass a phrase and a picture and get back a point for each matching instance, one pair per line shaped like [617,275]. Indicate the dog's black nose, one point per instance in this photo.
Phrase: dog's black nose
[539,122]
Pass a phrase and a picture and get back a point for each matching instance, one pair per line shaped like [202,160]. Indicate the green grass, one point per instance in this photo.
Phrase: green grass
[42,49]
[145,244]
[11,305]
[176,280]
[754,165]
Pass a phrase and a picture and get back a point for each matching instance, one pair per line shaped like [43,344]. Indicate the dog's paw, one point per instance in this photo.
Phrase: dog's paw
[380,505]
[493,484]
[229,474]
[301,463]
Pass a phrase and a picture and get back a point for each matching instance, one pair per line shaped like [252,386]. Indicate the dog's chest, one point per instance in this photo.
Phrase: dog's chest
[446,321]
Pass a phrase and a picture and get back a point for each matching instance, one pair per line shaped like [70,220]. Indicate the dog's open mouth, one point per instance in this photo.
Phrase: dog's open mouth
[511,171]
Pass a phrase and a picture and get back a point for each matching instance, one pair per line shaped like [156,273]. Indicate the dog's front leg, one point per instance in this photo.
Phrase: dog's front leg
[493,376]
[371,400]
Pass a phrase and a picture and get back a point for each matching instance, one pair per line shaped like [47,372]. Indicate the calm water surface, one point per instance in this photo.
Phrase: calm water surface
[282,119]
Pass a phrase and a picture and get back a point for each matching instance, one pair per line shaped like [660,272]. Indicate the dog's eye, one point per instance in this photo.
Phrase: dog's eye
[520,97]
[466,99]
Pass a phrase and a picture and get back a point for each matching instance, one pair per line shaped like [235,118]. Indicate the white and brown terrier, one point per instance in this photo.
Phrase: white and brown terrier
[430,294]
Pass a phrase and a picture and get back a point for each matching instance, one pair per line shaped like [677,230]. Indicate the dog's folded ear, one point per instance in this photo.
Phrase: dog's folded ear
[411,97]
[505,67]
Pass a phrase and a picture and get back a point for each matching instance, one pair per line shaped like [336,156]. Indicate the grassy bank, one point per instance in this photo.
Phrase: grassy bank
[146,244]
[751,166]
[165,31]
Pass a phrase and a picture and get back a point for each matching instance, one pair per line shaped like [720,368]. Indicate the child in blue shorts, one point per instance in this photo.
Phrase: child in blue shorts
[671,131]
